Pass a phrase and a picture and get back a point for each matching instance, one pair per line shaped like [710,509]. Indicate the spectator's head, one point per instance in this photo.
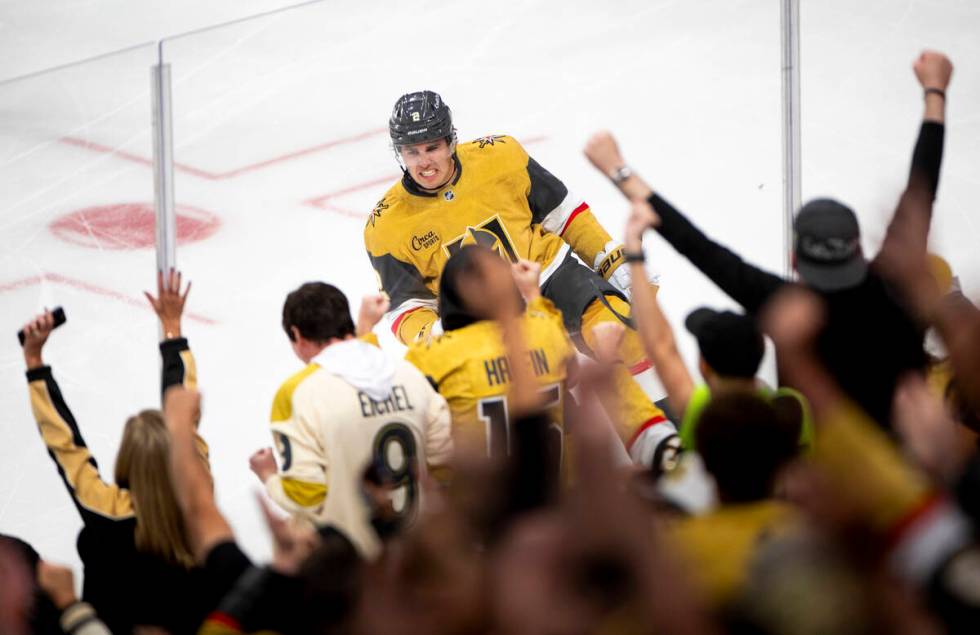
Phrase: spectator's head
[332,577]
[827,251]
[744,442]
[453,310]
[314,316]
[142,467]
[730,343]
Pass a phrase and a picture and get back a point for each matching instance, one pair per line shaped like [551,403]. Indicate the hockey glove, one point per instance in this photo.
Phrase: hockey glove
[657,448]
[611,265]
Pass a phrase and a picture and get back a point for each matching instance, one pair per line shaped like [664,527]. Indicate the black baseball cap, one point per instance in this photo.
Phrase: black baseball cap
[828,246]
[730,343]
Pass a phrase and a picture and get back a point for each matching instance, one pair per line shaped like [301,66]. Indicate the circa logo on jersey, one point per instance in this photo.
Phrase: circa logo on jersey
[376,212]
[489,140]
[424,241]
[448,195]
[490,233]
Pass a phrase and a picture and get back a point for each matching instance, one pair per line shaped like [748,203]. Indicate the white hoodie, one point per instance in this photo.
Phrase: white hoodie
[362,365]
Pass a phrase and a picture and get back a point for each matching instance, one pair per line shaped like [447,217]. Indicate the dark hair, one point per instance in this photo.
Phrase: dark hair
[319,311]
[744,441]
[730,343]
[960,407]
[453,311]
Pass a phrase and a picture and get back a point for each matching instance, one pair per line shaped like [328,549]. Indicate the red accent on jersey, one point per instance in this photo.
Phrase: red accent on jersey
[578,210]
[224,619]
[640,366]
[398,320]
[649,424]
[930,504]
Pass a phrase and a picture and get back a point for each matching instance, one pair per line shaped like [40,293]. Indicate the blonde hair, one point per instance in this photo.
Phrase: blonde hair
[143,467]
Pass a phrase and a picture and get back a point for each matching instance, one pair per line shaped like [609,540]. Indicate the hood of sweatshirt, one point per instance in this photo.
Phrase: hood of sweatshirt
[362,365]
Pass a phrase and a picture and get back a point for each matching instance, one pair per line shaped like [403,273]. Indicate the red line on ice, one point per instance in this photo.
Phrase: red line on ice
[57,278]
[322,202]
[219,176]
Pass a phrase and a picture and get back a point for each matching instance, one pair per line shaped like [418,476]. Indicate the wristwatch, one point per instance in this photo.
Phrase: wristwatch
[620,174]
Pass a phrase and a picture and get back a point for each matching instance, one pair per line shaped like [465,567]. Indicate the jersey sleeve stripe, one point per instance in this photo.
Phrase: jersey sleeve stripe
[76,465]
[557,219]
[578,210]
[643,428]
[303,493]
[640,366]
[397,322]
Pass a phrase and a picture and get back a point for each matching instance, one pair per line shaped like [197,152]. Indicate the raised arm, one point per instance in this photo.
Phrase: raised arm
[178,363]
[192,483]
[746,284]
[179,367]
[95,499]
[909,227]
[651,323]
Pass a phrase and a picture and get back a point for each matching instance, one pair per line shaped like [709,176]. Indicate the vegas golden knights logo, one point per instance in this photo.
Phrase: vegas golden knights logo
[490,233]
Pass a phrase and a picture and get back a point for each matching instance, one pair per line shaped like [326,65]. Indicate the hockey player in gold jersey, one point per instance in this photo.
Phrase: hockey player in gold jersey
[490,192]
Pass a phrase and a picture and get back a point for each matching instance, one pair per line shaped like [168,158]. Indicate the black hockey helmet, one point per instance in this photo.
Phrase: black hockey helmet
[420,117]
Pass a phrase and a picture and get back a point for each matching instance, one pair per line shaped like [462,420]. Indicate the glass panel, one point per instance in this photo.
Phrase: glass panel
[76,217]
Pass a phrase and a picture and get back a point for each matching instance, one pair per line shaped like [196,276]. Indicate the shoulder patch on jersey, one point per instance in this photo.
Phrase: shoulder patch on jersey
[434,358]
[379,207]
[282,405]
[490,140]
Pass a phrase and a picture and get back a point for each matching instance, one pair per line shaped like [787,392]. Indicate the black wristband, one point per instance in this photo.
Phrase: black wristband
[630,256]
[936,91]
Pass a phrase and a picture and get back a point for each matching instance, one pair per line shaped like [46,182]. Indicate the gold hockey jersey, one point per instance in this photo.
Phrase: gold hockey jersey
[500,198]
[470,368]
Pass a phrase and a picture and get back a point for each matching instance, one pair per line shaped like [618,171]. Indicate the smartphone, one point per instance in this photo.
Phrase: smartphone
[59,318]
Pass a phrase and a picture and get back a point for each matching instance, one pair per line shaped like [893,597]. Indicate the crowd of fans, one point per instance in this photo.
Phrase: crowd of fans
[844,500]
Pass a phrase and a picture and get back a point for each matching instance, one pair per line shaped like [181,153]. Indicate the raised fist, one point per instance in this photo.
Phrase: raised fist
[263,464]
[603,152]
[642,217]
[933,70]
[527,275]
[793,317]
[373,308]
[58,582]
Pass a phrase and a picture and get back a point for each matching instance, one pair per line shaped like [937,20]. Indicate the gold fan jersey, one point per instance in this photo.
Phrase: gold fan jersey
[499,197]
[470,368]
[327,432]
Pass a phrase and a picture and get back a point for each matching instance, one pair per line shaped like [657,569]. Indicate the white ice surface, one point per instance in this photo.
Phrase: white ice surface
[692,89]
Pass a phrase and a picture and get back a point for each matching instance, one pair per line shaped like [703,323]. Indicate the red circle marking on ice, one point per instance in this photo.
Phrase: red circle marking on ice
[129,226]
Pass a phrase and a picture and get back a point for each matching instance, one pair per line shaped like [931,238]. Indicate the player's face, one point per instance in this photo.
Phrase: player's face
[429,164]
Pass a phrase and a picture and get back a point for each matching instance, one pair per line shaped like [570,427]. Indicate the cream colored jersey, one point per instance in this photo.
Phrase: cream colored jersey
[327,432]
